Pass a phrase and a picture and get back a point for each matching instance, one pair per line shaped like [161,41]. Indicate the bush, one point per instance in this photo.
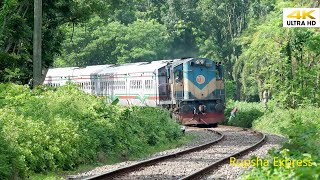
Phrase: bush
[246,114]
[301,126]
[50,129]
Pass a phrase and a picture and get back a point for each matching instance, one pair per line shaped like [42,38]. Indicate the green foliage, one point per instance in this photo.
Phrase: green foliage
[246,114]
[301,127]
[286,172]
[16,24]
[50,129]
[13,68]
[180,29]
[113,43]
[284,61]
[230,89]
[278,118]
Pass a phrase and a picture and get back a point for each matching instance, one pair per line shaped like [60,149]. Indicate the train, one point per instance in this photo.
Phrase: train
[191,88]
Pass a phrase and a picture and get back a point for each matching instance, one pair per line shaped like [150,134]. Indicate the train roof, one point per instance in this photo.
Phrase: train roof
[60,71]
[89,70]
[128,68]
[135,67]
[177,62]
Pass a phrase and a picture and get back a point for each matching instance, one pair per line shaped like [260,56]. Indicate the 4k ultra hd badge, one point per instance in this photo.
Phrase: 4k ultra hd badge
[301,17]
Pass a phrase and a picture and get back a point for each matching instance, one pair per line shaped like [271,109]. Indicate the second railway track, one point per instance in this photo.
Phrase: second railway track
[193,162]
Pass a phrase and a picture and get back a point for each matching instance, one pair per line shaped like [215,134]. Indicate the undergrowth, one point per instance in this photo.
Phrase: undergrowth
[246,114]
[49,129]
[302,128]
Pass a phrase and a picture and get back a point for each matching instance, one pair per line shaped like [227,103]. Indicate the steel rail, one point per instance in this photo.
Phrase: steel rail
[205,170]
[130,168]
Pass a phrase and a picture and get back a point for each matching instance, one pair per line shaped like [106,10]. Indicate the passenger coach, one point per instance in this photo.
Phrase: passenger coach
[192,88]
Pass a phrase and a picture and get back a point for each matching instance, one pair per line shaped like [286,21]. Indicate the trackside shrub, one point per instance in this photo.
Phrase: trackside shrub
[246,114]
[302,128]
[49,129]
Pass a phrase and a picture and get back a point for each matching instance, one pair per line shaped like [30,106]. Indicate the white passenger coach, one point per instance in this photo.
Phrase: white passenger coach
[133,83]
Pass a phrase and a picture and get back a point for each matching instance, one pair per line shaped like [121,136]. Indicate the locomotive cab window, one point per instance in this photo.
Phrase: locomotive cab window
[219,71]
[178,75]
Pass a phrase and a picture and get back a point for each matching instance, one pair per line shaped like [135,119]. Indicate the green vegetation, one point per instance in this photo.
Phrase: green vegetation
[258,54]
[301,127]
[282,61]
[58,129]
[246,114]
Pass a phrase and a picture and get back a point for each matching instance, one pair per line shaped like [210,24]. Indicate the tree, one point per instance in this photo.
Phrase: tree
[98,42]
[16,24]
[284,61]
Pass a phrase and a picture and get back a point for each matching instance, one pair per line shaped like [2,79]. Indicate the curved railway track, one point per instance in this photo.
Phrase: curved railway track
[194,162]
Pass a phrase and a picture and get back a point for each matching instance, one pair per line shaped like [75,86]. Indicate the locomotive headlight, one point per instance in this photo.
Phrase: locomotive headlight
[201,61]
[198,61]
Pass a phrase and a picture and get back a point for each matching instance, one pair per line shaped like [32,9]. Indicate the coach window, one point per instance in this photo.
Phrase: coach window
[111,85]
[148,84]
[139,84]
[121,84]
[132,83]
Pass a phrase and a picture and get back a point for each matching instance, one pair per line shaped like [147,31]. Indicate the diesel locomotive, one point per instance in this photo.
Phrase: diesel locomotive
[191,88]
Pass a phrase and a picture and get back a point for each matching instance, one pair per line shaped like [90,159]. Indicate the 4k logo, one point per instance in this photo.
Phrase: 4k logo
[301,14]
[301,17]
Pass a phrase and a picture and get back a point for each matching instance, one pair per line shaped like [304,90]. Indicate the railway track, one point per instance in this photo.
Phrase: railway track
[191,163]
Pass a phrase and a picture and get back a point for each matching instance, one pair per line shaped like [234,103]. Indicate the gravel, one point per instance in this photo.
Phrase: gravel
[200,137]
[235,140]
[227,171]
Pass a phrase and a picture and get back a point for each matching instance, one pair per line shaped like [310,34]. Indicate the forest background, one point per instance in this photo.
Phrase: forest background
[246,35]
[258,55]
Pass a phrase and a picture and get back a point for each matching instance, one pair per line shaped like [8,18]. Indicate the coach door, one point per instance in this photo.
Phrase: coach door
[178,82]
